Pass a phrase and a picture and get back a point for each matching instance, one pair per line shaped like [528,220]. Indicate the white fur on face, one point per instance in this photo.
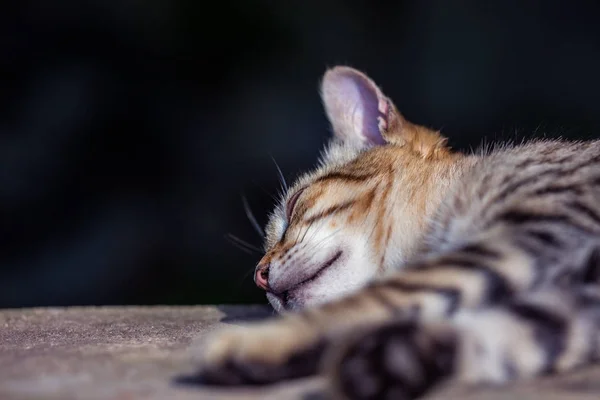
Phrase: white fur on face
[300,279]
[326,265]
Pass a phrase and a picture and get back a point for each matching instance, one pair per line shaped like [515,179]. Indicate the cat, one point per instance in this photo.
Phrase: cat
[399,263]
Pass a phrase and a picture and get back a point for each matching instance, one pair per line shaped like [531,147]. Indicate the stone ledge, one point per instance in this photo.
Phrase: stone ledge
[128,353]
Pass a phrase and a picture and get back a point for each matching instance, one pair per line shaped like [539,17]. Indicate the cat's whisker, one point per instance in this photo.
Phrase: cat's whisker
[242,244]
[248,273]
[276,198]
[297,240]
[315,231]
[282,180]
[252,218]
[321,242]
[242,248]
[307,229]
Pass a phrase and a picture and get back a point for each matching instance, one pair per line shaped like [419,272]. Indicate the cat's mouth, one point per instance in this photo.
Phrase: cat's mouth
[291,298]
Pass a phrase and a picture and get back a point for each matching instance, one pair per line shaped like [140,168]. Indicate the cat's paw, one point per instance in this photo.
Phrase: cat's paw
[260,354]
[398,361]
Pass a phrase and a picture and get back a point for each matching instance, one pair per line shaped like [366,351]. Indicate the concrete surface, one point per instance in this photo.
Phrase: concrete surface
[129,353]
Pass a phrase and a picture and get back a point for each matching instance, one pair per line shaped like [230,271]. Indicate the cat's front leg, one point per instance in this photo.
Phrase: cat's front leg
[260,353]
[286,347]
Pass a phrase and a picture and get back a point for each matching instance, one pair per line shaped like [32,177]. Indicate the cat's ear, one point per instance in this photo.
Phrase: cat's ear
[361,114]
[355,106]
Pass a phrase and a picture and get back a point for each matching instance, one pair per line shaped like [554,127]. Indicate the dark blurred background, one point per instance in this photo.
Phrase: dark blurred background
[129,130]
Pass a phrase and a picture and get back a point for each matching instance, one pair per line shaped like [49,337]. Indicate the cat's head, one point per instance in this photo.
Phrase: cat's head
[362,211]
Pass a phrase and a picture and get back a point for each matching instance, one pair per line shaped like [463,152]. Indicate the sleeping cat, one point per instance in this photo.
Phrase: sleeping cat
[407,264]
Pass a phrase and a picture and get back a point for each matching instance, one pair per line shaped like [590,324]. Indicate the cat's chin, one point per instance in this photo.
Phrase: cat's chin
[295,300]
[276,302]
[287,303]
[306,293]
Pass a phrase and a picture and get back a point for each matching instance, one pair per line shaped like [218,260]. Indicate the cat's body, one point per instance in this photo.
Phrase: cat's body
[413,264]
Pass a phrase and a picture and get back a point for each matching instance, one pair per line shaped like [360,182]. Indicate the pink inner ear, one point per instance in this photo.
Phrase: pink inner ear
[368,100]
[353,105]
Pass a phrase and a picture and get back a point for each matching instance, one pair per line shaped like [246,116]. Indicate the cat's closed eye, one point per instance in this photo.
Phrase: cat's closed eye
[292,204]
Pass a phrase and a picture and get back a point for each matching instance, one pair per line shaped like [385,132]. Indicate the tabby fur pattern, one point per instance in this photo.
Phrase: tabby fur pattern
[399,264]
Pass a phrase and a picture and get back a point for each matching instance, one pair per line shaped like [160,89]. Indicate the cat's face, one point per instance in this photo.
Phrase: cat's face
[362,211]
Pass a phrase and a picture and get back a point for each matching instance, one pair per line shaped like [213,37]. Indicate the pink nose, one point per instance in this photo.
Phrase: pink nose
[261,277]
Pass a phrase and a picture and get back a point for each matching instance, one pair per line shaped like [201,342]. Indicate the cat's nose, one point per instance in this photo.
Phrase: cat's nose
[261,277]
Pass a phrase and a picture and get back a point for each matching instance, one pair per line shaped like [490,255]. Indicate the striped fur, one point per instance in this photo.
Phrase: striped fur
[411,264]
